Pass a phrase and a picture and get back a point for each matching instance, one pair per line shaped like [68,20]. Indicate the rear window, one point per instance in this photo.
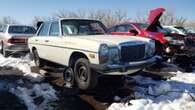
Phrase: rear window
[21,30]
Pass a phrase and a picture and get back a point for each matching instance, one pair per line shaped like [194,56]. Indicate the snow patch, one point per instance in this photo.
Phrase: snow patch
[177,93]
[23,64]
[28,95]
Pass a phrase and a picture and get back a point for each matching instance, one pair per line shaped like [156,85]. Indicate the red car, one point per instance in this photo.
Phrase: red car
[153,30]
[178,47]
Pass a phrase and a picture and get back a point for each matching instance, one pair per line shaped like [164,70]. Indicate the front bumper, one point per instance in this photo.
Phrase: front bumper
[124,68]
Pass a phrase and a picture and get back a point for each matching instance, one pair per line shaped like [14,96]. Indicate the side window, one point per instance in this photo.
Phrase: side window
[123,28]
[54,29]
[3,28]
[44,29]
[112,29]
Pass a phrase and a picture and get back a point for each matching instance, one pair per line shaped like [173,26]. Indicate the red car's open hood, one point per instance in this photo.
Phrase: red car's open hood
[153,19]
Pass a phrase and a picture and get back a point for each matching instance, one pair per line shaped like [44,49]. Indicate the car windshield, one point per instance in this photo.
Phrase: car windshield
[165,30]
[82,27]
[169,30]
[21,30]
[143,25]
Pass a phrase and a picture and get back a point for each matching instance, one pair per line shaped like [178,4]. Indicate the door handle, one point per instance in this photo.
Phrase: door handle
[36,40]
[46,40]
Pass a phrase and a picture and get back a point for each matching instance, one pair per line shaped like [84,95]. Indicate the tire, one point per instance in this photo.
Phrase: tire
[68,76]
[85,78]
[4,53]
[37,60]
[1,50]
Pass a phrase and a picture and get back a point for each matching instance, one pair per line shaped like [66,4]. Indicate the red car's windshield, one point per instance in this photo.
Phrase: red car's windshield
[143,25]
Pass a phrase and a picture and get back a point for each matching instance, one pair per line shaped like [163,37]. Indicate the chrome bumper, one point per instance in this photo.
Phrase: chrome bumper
[125,67]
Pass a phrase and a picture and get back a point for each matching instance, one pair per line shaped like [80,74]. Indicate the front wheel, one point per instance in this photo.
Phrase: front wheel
[85,78]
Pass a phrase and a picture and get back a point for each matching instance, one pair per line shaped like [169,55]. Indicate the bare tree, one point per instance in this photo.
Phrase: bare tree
[108,17]
[190,23]
[168,18]
[8,20]
[38,19]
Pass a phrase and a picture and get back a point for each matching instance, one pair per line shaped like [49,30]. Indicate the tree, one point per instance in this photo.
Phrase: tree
[8,20]
[108,17]
[168,18]
[190,23]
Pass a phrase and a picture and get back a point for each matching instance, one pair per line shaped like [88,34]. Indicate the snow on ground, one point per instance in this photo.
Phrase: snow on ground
[35,94]
[43,91]
[177,93]
[23,64]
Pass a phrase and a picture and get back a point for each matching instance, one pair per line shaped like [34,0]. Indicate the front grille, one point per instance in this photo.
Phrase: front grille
[132,52]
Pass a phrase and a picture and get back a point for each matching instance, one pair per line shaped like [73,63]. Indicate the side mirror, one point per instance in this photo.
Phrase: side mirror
[133,31]
[39,24]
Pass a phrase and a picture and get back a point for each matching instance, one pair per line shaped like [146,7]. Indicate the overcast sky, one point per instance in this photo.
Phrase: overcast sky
[24,10]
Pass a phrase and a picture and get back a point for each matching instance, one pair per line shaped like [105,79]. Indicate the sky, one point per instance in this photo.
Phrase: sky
[25,10]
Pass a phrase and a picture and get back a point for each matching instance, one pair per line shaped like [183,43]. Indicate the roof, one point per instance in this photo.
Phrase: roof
[70,19]
[17,25]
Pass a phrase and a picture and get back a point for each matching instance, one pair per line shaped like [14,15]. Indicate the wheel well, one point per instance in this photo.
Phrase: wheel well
[74,56]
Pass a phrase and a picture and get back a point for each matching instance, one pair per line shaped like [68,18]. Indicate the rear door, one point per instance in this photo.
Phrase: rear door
[54,42]
[40,40]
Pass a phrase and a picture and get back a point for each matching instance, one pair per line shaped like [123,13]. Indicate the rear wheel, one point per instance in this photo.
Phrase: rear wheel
[37,60]
[69,77]
[3,51]
[85,78]
[1,48]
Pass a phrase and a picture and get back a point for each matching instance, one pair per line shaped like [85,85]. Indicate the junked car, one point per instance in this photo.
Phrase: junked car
[147,30]
[86,51]
[13,38]
[167,44]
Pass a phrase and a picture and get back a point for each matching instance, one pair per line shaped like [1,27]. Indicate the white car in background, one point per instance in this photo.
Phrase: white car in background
[175,29]
[13,38]
[84,48]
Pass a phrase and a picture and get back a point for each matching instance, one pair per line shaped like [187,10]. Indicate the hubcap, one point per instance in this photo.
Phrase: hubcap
[82,72]
[68,76]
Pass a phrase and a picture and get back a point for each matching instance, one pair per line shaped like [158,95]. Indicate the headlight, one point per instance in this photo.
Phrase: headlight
[103,53]
[150,48]
[108,54]
[114,54]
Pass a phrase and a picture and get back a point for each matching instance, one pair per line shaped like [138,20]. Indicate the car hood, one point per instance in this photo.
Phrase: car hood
[113,39]
[154,16]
